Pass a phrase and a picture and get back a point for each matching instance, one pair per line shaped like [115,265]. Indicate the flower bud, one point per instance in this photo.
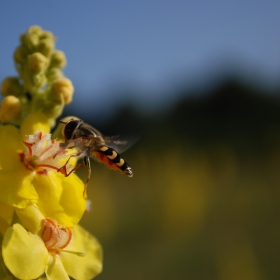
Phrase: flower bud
[58,59]
[47,35]
[33,33]
[31,41]
[62,87]
[20,54]
[10,109]
[46,46]
[37,63]
[11,86]
[53,74]
[35,29]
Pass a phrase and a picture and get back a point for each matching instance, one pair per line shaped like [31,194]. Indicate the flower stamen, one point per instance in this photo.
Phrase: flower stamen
[42,154]
[80,254]
[29,147]
[55,237]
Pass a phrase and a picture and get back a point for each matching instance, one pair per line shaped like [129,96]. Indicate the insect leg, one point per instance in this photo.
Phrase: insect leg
[63,169]
[63,146]
[87,165]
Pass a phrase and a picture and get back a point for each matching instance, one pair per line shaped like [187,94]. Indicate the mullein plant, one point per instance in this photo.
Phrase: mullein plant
[40,207]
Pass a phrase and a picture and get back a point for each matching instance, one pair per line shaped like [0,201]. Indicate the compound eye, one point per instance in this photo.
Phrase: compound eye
[70,128]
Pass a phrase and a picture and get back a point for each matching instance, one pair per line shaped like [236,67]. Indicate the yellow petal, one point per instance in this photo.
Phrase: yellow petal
[16,188]
[83,268]
[10,144]
[56,271]
[60,198]
[3,227]
[4,272]
[33,122]
[24,253]
[31,217]
[6,216]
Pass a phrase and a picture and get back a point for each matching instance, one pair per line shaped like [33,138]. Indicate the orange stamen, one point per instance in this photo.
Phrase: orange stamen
[54,236]
[29,146]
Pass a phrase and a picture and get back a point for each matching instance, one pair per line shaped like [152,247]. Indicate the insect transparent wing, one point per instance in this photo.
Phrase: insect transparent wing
[119,144]
[77,145]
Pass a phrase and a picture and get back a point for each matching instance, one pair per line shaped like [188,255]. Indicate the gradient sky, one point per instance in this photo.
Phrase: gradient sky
[148,44]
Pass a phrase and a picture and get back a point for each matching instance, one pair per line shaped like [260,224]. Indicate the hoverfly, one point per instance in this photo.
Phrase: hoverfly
[89,142]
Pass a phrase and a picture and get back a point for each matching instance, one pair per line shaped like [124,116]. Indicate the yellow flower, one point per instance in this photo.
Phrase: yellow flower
[6,217]
[41,199]
[52,249]
[30,177]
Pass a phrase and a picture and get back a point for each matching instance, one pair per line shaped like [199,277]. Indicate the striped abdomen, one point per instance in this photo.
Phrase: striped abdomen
[113,160]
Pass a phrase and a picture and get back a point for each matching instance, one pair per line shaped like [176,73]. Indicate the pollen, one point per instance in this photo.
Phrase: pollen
[42,154]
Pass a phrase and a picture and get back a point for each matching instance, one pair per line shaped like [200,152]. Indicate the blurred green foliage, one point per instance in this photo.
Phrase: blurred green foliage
[205,199]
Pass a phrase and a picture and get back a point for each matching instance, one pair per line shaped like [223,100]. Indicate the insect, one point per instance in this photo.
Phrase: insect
[89,142]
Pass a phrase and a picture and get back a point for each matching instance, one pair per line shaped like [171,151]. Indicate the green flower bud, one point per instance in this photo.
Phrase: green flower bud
[37,63]
[52,109]
[32,83]
[41,85]
[47,35]
[11,86]
[45,47]
[10,109]
[35,29]
[20,55]
[53,74]
[39,81]
[22,38]
[58,59]
[31,41]
[62,88]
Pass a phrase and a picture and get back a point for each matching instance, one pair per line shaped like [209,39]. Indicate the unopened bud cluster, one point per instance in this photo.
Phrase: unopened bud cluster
[40,85]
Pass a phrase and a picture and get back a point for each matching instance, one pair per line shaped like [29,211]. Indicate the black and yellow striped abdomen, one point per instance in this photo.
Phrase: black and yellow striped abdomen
[113,160]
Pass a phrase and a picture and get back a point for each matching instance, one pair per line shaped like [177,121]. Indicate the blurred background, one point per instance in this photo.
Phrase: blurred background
[197,82]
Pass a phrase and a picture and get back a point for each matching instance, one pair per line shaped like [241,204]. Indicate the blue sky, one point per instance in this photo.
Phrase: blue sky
[149,45]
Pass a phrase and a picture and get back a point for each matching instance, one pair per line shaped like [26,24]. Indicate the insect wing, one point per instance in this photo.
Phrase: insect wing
[119,144]
[87,130]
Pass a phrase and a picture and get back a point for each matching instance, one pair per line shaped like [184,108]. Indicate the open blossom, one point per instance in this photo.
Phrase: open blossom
[29,176]
[49,248]
[32,187]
